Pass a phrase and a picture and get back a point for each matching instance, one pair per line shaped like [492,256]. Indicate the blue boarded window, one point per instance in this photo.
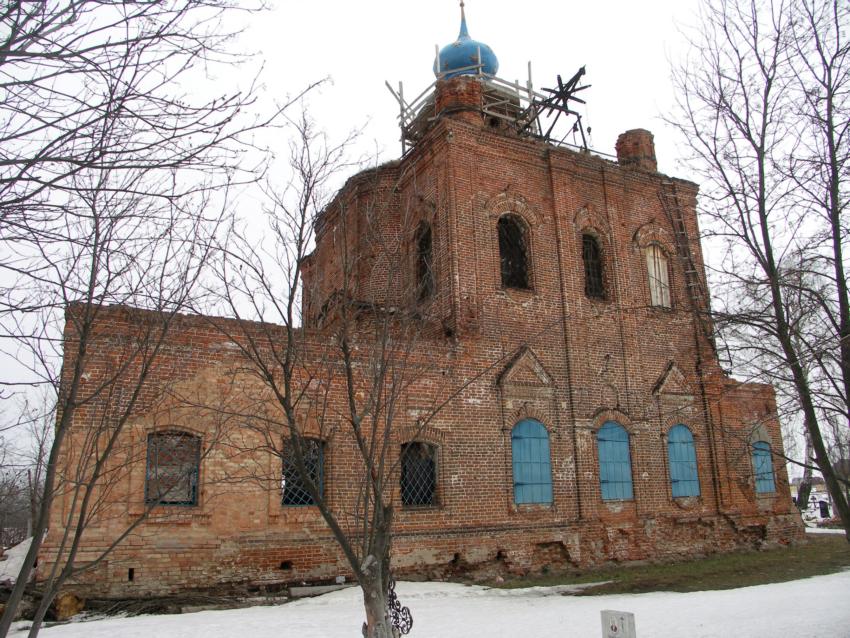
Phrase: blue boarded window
[763,467]
[532,467]
[615,464]
[683,461]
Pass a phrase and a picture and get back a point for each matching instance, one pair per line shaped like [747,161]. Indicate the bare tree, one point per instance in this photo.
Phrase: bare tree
[339,364]
[13,497]
[763,105]
[113,182]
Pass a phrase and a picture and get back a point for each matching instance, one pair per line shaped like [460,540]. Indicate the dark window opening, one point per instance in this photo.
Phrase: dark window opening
[513,253]
[131,574]
[594,286]
[286,565]
[418,474]
[293,486]
[172,469]
[424,263]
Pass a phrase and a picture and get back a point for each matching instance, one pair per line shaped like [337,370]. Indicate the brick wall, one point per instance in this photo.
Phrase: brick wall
[502,355]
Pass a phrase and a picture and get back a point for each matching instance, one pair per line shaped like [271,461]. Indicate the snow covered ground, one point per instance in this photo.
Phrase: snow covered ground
[823,530]
[10,567]
[809,608]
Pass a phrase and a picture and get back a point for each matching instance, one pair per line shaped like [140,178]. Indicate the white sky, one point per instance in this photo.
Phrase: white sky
[624,45]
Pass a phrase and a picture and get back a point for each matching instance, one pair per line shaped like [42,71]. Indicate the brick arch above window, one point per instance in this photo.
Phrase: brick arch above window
[611,414]
[426,434]
[759,432]
[589,219]
[175,427]
[528,411]
[653,233]
[506,202]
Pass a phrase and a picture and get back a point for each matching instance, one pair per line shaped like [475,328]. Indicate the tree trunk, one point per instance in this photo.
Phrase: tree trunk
[805,484]
[377,623]
[375,576]
[41,612]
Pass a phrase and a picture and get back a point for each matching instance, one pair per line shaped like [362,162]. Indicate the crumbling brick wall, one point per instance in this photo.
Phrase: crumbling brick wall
[548,353]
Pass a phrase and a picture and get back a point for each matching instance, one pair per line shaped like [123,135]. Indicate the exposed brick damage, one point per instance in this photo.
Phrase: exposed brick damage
[570,362]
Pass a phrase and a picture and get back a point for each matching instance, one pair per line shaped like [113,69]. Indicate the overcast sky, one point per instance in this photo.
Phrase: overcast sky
[624,45]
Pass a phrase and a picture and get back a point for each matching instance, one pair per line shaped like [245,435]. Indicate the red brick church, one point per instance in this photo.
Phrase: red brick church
[564,303]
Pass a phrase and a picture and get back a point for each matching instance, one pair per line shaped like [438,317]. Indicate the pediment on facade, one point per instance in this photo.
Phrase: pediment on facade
[672,381]
[525,370]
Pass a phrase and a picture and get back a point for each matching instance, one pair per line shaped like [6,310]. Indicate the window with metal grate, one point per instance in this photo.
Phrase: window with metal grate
[513,252]
[173,463]
[594,285]
[418,474]
[424,262]
[293,487]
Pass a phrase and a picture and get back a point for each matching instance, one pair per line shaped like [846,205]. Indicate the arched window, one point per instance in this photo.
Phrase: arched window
[424,262]
[173,464]
[591,254]
[659,276]
[418,474]
[293,486]
[615,464]
[683,462]
[763,467]
[513,252]
[532,465]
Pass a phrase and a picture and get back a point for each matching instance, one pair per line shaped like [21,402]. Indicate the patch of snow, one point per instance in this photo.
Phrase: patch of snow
[444,610]
[823,530]
[11,567]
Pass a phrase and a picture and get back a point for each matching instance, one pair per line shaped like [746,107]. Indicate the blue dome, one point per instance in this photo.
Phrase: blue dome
[464,53]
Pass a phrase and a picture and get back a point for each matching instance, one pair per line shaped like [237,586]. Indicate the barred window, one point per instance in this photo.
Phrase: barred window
[173,461]
[659,276]
[418,474]
[513,252]
[293,486]
[424,262]
[594,286]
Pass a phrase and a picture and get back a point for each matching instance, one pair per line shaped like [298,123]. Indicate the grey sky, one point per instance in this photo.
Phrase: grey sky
[625,46]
